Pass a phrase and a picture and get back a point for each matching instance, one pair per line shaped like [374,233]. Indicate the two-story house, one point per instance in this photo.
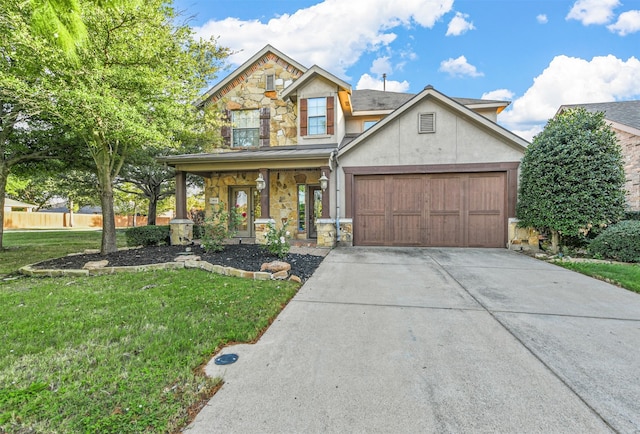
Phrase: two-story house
[359,167]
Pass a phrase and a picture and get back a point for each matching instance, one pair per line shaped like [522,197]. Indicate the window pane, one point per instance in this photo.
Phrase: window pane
[302,207]
[317,106]
[317,125]
[369,124]
[246,128]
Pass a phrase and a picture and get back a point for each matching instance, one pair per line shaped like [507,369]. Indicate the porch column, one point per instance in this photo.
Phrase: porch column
[264,195]
[326,193]
[181,195]
[181,228]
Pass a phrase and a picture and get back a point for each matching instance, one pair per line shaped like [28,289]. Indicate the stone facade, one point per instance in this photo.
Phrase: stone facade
[249,91]
[283,193]
[630,144]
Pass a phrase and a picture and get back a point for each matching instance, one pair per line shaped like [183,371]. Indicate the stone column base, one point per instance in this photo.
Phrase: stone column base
[261,228]
[522,238]
[346,232]
[181,232]
[326,229]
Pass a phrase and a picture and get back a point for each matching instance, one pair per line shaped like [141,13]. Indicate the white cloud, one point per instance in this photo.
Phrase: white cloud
[459,68]
[369,82]
[542,19]
[628,22]
[332,34]
[498,94]
[571,80]
[459,25]
[381,66]
[593,11]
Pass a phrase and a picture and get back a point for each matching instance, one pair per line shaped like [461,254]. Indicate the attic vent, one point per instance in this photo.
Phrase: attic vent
[271,82]
[427,123]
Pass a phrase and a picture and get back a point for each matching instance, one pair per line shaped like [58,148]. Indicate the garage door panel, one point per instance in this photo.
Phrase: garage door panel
[407,230]
[444,230]
[459,209]
[370,230]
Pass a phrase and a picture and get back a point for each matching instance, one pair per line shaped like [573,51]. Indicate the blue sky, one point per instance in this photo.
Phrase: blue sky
[538,54]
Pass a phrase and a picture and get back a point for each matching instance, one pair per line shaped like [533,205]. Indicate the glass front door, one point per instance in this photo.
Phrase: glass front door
[314,208]
[243,199]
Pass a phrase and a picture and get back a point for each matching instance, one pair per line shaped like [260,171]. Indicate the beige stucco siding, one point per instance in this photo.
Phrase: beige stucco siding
[321,88]
[457,140]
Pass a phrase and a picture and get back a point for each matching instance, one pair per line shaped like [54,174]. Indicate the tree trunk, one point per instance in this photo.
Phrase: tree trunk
[555,241]
[153,206]
[109,244]
[70,213]
[4,175]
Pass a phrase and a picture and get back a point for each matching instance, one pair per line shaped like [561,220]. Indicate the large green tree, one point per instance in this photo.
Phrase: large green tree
[133,89]
[572,176]
[29,131]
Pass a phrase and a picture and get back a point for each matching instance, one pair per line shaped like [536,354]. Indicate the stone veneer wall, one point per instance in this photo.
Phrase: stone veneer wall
[284,195]
[283,188]
[249,92]
[630,144]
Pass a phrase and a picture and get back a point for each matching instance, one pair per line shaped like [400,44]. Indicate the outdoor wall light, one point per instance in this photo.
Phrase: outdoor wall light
[260,183]
[324,182]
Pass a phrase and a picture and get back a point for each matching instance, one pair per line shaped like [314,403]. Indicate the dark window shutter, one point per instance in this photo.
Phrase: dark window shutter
[330,115]
[265,126]
[303,117]
[225,131]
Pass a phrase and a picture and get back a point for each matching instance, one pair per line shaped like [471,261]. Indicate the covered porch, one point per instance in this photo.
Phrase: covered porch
[282,186]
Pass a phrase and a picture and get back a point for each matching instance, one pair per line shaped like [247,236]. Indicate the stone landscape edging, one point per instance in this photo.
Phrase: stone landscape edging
[29,270]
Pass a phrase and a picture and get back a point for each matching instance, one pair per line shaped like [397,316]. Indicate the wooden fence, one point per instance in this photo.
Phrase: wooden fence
[58,220]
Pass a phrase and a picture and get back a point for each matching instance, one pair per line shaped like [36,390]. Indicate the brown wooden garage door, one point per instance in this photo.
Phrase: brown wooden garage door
[458,210]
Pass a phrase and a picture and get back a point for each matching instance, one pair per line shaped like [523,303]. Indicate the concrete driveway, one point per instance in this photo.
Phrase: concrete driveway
[438,340]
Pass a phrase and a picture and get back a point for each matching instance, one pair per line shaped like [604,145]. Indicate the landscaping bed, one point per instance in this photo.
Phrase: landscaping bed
[248,257]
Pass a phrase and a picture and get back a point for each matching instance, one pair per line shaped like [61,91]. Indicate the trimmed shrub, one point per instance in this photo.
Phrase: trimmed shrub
[620,242]
[632,215]
[198,231]
[147,236]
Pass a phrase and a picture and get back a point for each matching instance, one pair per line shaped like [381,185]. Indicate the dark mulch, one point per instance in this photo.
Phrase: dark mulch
[248,257]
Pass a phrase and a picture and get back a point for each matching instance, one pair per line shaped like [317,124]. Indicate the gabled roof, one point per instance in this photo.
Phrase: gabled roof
[261,57]
[430,92]
[310,74]
[623,112]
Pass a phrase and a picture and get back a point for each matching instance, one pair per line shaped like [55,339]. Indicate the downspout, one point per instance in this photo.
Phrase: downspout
[334,157]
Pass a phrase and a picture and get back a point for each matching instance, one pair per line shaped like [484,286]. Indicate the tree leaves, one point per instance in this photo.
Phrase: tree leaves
[572,176]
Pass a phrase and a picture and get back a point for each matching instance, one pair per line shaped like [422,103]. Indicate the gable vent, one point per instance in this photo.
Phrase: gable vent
[427,123]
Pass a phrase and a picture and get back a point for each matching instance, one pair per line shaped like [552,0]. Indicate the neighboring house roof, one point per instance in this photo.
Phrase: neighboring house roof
[623,113]
[261,57]
[429,92]
[11,203]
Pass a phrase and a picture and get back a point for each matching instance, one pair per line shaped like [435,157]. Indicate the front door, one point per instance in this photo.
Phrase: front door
[242,198]
[314,208]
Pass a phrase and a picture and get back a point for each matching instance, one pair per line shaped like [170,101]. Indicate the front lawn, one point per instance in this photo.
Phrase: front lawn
[624,275]
[28,247]
[121,353]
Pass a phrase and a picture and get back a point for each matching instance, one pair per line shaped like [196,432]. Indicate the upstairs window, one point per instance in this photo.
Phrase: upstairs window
[245,128]
[270,83]
[317,116]
[368,124]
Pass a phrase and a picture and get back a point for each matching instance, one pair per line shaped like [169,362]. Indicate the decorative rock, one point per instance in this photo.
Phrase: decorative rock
[184,258]
[275,266]
[295,278]
[280,275]
[92,265]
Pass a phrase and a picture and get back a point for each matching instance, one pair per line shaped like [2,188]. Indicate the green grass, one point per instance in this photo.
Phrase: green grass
[120,353]
[624,275]
[29,247]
